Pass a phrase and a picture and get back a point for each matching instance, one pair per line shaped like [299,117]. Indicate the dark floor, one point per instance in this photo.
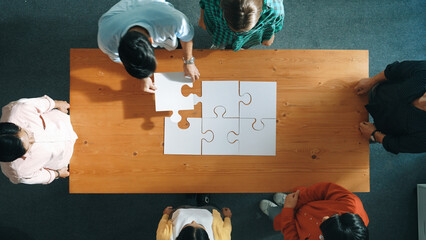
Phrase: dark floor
[34,60]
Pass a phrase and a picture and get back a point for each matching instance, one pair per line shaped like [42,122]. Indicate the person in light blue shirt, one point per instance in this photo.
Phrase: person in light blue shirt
[130,30]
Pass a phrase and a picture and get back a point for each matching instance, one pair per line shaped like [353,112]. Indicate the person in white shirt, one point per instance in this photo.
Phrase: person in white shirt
[36,140]
[195,223]
[131,28]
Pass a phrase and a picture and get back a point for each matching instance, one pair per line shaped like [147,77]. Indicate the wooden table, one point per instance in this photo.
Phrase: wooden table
[120,145]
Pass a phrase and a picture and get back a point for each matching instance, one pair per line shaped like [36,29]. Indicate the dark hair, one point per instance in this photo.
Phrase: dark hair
[191,233]
[11,146]
[241,15]
[347,226]
[137,54]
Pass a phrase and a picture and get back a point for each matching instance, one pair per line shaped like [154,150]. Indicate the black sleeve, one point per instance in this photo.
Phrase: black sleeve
[402,71]
[405,144]
[411,77]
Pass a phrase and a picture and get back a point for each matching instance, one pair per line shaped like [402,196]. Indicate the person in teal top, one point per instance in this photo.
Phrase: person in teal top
[241,23]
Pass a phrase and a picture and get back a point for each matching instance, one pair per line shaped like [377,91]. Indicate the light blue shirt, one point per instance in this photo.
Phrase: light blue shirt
[163,22]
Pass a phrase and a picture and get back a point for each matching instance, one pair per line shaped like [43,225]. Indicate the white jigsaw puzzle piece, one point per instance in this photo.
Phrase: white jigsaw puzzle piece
[263,102]
[184,141]
[255,142]
[168,96]
[220,127]
[220,93]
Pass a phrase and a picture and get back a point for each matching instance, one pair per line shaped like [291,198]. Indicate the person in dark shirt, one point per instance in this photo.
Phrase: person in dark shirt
[397,103]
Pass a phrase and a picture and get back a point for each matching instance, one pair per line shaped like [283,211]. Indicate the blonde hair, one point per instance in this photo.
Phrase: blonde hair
[241,15]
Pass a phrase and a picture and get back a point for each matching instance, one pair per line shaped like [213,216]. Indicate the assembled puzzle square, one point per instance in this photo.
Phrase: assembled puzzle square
[238,117]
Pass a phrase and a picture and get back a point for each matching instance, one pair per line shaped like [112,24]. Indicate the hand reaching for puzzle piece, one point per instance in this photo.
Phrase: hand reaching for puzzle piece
[148,86]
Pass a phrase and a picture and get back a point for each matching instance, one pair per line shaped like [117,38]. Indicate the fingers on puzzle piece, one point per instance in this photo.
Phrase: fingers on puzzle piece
[168,96]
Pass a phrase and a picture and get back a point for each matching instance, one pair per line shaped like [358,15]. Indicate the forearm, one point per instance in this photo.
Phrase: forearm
[164,229]
[187,49]
[286,223]
[379,78]
[379,136]
[43,176]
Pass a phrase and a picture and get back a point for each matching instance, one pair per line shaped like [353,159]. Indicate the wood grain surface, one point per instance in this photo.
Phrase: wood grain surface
[120,145]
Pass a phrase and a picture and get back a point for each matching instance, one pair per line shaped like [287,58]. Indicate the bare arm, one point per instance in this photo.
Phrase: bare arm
[189,69]
[364,85]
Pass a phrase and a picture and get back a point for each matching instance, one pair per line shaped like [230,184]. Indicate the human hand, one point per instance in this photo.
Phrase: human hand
[269,42]
[62,106]
[191,70]
[364,86]
[227,212]
[168,210]
[63,172]
[291,200]
[148,86]
[366,129]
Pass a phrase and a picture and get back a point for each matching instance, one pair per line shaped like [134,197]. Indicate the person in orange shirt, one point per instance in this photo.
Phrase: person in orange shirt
[322,211]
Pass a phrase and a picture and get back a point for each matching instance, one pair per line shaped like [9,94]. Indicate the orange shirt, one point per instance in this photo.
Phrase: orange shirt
[315,202]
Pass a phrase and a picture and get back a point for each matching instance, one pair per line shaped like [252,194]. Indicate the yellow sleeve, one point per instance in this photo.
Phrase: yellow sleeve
[221,229]
[165,228]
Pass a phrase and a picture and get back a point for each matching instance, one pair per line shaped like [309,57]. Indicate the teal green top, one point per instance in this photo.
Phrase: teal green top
[271,21]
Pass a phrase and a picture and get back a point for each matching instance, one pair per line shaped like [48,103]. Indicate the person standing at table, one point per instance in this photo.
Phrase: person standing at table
[321,211]
[241,23]
[397,103]
[36,140]
[131,28]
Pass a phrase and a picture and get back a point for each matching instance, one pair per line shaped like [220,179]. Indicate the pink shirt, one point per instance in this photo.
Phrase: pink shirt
[54,140]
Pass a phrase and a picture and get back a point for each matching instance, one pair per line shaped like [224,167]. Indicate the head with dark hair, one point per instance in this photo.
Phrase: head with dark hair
[11,146]
[137,54]
[193,233]
[347,226]
[241,15]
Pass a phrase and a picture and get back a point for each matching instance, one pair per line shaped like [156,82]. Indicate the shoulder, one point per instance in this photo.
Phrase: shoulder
[210,5]
[12,170]
[16,112]
[274,7]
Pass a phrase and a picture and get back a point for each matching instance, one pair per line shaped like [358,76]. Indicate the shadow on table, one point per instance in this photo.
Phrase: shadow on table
[136,103]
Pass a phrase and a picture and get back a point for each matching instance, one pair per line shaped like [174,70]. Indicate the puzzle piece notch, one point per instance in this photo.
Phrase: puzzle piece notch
[221,93]
[263,101]
[255,142]
[220,127]
[168,96]
[185,141]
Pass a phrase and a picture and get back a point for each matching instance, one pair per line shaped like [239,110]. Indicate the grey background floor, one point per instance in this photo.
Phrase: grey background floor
[34,60]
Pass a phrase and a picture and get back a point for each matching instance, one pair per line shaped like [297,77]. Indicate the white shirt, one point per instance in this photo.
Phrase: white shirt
[184,216]
[162,21]
[54,140]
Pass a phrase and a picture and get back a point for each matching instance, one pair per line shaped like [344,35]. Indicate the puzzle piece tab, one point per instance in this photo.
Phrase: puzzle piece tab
[168,96]
[184,141]
[255,142]
[221,93]
[220,127]
[263,102]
